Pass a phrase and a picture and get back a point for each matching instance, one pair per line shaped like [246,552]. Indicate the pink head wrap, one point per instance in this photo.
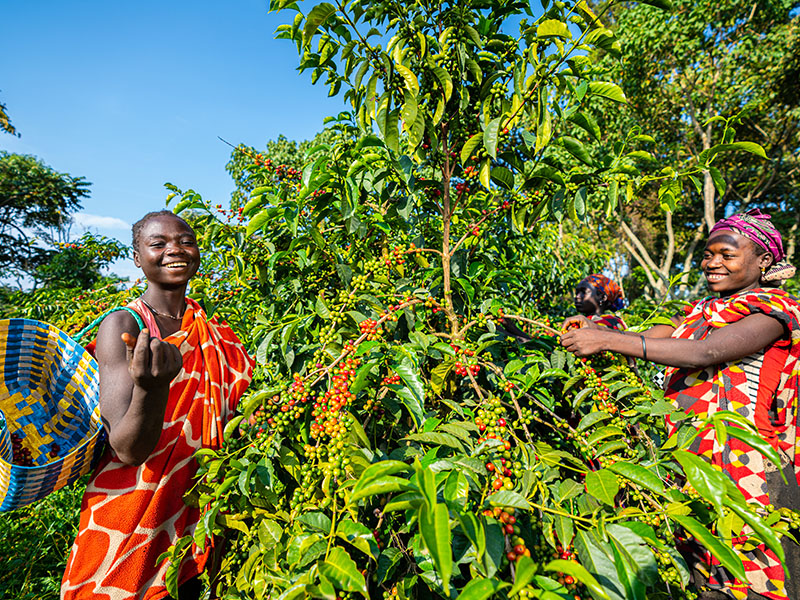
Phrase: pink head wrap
[758,228]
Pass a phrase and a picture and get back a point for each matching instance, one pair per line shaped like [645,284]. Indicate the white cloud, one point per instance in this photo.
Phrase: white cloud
[86,220]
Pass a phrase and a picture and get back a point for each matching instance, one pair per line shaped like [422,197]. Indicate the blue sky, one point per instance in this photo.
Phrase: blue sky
[133,95]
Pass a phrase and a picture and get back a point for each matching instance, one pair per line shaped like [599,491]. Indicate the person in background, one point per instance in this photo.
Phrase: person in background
[595,296]
[165,392]
[738,350]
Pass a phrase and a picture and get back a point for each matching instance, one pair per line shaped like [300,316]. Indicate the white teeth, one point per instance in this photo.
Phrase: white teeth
[175,265]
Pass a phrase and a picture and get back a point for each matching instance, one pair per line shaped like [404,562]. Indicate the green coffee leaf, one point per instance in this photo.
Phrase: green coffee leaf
[603,485]
[725,554]
[343,572]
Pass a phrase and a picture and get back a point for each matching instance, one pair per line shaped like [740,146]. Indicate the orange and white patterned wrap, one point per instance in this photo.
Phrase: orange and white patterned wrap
[130,515]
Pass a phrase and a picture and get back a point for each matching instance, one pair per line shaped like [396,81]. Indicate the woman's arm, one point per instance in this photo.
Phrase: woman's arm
[134,386]
[656,331]
[734,341]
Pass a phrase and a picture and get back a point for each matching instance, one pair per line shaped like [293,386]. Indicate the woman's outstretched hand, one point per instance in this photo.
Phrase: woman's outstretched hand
[577,322]
[152,363]
[581,336]
[584,341]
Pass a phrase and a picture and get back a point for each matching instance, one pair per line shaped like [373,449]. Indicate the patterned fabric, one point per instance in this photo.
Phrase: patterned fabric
[757,227]
[614,295]
[610,321]
[129,514]
[761,387]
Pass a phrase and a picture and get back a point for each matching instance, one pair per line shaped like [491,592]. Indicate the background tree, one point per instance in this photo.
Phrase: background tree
[35,206]
[5,121]
[246,161]
[681,72]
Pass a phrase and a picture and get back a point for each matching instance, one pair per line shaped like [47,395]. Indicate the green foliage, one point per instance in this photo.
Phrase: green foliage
[413,429]
[401,438]
[78,264]
[71,309]
[246,162]
[5,121]
[36,543]
[699,76]
[35,202]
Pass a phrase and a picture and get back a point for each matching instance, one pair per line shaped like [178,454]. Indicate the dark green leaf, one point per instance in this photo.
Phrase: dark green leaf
[603,485]
[343,572]
[470,146]
[481,589]
[581,574]
[525,571]
[316,18]
[638,475]
[503,177]
[608,90]
[316,520]
[719,180]
[380,485]
[415,399]
[708,481]
[435,529]
[725,554]
[509,498]
[576,148]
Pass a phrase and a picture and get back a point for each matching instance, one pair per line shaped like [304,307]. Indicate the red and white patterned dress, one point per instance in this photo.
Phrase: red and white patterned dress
[130,514]
[762,388]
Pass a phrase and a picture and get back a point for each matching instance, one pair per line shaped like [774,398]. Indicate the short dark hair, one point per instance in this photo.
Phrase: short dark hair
[136,230]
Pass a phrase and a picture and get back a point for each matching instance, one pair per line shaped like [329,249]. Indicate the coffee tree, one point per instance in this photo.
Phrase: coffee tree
[413,430]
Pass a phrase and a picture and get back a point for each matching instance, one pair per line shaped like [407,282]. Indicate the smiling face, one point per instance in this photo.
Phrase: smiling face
[587,299]
[731,265]
[167,252]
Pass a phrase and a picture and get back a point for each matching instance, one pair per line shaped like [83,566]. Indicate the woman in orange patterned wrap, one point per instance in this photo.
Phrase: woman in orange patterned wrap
[165,392]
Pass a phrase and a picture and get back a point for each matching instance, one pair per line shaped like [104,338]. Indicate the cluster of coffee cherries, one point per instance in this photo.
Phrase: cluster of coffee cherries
[360,282]
[491,419]
[526,417]
[482,319]
[384,264]
[791,516]
[232,214]
[345,298]
[393,379]
[508,521]
[666,569]
[392,594]
[282,413]
[593,381]
[371,329]
[433,304]
[21,454]
[330,409]
[466,361]
[566,553]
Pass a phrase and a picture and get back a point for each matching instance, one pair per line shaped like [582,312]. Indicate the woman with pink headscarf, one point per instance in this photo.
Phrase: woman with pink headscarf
[738,351]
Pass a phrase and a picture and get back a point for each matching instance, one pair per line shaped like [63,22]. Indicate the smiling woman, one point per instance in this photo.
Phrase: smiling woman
[739,351]
[165,392]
